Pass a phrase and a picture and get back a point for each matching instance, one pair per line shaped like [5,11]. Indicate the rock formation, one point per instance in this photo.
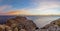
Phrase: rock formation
[19,23]
[53,26]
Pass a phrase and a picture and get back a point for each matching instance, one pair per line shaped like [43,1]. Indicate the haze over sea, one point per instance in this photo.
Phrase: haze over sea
[40,21]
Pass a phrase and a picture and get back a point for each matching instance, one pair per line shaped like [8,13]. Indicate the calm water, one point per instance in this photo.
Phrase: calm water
[40,21]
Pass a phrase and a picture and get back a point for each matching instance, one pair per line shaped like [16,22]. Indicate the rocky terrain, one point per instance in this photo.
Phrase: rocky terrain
[19,23]
[53,26]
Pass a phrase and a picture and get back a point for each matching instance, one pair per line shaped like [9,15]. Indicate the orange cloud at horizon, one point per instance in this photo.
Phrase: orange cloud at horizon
[24,12]
[18,12]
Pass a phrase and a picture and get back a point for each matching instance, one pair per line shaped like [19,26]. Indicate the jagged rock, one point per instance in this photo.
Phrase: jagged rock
[22,30]
[53,26]
[57,22]
[15,29]
[21,23]
[30,26]
[7,28]
[2,27]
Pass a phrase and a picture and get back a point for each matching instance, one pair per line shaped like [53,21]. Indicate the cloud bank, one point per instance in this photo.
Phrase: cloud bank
[3,8]
[37,7]
[16,12]
[46,7]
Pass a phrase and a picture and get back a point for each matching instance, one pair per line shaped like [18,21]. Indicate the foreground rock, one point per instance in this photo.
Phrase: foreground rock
[53,26]
[19,23]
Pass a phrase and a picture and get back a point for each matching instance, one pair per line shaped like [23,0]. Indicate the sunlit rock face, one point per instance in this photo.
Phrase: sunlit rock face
[21,23]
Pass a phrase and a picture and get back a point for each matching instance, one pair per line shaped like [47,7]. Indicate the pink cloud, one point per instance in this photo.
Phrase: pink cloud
[2,8]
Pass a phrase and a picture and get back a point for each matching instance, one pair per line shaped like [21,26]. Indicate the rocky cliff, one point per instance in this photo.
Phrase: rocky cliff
[19,23]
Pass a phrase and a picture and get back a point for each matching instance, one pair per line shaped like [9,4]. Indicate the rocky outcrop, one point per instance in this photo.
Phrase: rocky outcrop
[19,23]
[53,26]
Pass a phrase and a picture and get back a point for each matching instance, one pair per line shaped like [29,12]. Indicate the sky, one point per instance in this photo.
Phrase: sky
[29,7]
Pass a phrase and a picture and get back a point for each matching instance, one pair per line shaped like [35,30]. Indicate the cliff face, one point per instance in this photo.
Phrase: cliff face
[19,23]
